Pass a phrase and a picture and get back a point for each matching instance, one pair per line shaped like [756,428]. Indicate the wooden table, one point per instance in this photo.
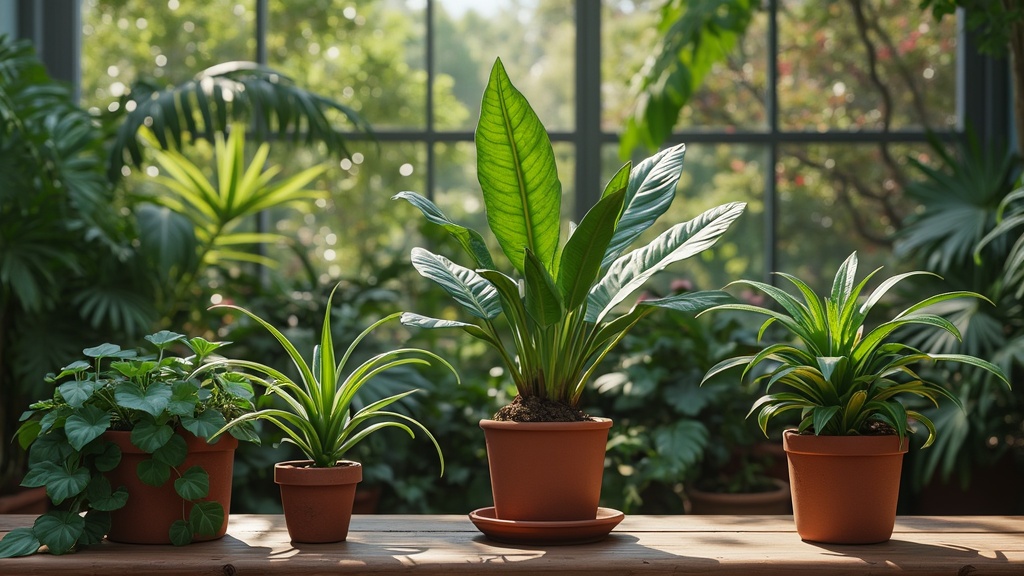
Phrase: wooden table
[713,545]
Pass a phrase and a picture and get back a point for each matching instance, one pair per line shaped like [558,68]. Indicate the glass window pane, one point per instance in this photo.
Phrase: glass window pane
[367,55]
[834,199]
[731,96]
[897,70]
[170,41]
[535,41]
[359,231]
[714,175]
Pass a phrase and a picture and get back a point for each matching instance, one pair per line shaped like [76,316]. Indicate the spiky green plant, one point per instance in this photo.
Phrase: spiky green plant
[840,376]
[563,310]
[317,417]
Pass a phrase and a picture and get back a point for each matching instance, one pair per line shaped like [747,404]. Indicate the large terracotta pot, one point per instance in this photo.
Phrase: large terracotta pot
[775,501]
[546,471]
[150,510]
[845,488]
[317,501]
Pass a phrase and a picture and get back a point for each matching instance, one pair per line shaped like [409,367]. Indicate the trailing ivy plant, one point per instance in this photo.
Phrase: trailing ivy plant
[151,395]
[565,304]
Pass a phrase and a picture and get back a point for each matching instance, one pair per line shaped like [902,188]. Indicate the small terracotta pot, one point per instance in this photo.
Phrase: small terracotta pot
[147,516]
[845,488]
[775,501]
[317,501]
[546,471]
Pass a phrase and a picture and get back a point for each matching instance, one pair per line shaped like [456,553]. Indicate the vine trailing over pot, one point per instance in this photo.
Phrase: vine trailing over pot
[562,302]
[155,397]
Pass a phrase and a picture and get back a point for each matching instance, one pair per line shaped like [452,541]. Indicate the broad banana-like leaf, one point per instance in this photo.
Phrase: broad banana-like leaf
[630,271]
[581,258]
[469,289]
[471,240]
[420,321]
[543,300]
[652,187]
[517,174]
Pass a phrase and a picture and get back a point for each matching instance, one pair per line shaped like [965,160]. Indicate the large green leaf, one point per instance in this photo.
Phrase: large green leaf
[153,400]
[86,425]
[193,484]
[517,173]
[630,271]
[59,530]
[19,542]
[652,187]
[206,518]
[469,289]
[471,240]
[543,300]
[583,253]
[205,424]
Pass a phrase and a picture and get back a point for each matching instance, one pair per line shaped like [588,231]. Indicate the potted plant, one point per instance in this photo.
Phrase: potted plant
[317,416]
[123,440]
[846,454]
[561,302]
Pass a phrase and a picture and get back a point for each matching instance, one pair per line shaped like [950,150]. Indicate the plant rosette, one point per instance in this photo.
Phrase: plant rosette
[157,400]
[316,415]
[846,381]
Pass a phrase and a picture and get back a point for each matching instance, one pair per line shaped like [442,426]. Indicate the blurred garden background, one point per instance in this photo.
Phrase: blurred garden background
[881,126]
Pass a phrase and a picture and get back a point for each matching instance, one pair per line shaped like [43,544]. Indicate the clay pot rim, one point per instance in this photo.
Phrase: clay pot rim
[300,473]
[796,443]
[596,423]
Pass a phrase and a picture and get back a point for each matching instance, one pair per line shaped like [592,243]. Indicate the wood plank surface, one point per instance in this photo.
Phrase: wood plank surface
[714,545]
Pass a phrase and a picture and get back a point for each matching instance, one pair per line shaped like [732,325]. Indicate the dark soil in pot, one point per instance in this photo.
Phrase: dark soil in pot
[535,409]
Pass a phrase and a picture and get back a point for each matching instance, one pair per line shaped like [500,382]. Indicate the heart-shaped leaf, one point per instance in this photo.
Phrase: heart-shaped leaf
[165,338]
[206,518]
[153,400]
[184,398]
[19,542]
[149,436]
[193,484]
[180,533]
[86,425]
[102,351]
[97,524]
[204,424]
[152,472]
[108,458]
[173,453]
[59,530]
[77,392]
[102,497]
[62,483]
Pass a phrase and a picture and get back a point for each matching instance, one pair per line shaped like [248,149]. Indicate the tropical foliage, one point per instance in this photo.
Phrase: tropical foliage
[318,414]
[151,395]
[842,377]
[562,314]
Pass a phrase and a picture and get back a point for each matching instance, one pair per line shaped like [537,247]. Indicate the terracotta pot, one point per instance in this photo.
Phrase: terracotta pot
[151,510]
[845,488]
[775,501]
[546,471]
[317,501]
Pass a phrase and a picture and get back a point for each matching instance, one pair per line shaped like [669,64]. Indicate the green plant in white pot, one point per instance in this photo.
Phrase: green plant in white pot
[317,416]
[846,381]
[564,302]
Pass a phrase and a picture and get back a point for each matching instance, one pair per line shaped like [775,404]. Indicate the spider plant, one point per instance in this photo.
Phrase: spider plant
[840,376]
[318,417]
[562,303]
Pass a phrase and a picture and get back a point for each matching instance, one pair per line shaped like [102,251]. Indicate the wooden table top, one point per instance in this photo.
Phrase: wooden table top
[717,545]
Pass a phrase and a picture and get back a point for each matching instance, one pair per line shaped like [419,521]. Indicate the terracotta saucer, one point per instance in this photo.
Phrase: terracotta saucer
[537,532]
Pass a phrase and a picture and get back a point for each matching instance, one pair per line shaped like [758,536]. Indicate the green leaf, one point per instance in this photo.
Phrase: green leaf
[517,173]
[180,533]
[469,239]
[19,542]
[59,530]
[108,458]
[206,518]
[97,524]
[681,241]
[86,425]
[205,424]
[823,416]
[77,392]
[173,453]
[582,255]
[102,497]
[691,303]
[193,484]
[149,436]
[652,187]
[420,321]
[164,338]
[543,300]
[61,483]
[153,400]
[681,444]
[102,351]
[152,472]
[468,288]
[184,398]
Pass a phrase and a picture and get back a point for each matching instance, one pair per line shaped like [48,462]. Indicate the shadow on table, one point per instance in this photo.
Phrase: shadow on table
[616,552]
[914,555]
